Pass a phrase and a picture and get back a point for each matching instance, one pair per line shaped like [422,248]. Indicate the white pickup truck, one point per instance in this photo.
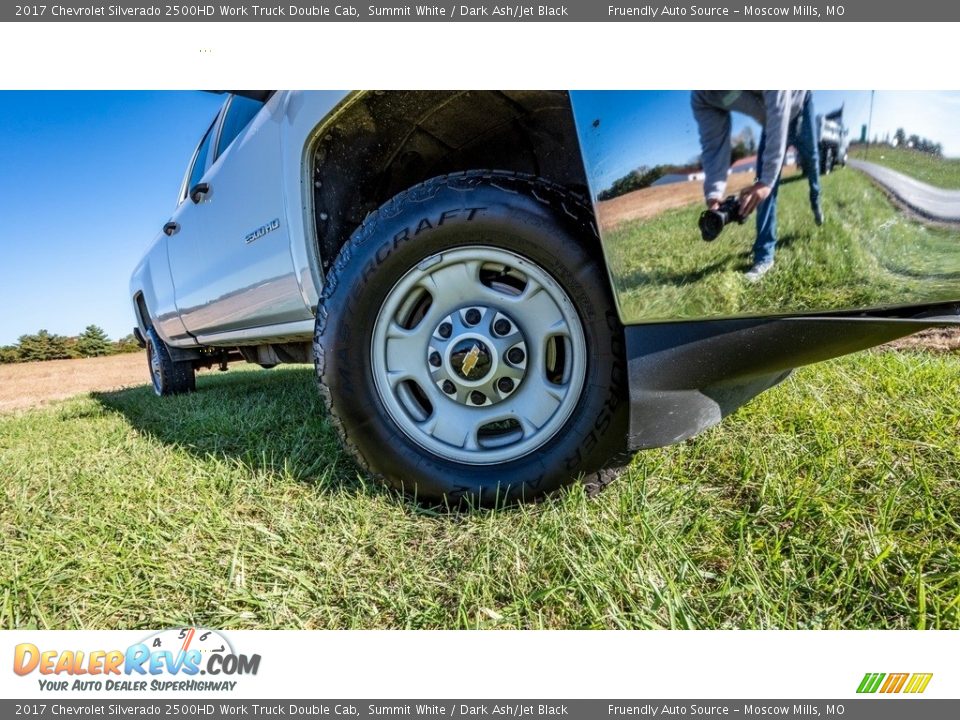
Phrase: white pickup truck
[436,256]
[834,141]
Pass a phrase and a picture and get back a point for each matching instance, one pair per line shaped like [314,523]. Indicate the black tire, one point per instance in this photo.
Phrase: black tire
[826,161]
[169,377]
[521,214]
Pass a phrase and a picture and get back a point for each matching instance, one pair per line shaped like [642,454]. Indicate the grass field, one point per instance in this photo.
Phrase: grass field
[866,254]
[831,501]
[939,172]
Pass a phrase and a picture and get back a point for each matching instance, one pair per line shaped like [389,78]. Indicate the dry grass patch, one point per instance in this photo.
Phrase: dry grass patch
[27,385]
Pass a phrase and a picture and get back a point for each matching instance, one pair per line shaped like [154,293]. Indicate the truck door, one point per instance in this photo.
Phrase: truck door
[232,268]
[182,242]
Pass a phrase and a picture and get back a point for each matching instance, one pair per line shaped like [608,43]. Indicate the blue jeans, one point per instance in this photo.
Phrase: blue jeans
[802,135]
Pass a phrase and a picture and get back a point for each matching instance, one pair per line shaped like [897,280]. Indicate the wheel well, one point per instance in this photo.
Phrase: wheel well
[384,142]
[142,315]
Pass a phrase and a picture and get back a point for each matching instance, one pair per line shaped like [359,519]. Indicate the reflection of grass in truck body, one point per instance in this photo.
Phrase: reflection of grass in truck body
[933,170]
[866,254]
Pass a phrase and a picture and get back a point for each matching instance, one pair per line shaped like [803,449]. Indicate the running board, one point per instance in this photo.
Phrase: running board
[686,377]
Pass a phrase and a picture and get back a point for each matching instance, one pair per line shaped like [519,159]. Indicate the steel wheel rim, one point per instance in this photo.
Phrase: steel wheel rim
[496,302]
[156,371]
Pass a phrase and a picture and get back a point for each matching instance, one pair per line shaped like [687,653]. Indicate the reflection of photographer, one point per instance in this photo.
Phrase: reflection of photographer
[786,116]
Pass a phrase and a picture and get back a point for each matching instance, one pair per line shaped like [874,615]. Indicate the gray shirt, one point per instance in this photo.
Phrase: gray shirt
[773,109]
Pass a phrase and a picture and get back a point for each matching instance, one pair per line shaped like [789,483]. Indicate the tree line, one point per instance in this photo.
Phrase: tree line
[44,345]
[915,142]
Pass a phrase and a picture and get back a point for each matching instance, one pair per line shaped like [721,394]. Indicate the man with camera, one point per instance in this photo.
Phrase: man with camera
[785,116]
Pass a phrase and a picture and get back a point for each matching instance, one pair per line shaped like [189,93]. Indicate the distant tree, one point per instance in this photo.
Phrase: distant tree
[42,346]
[643,177]
[93,342]
[9,354]
[73,352]
[929,146]
[743,144]
[900,137]
[126,344]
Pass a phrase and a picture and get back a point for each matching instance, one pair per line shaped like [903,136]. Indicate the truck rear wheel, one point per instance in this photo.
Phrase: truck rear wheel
[826,160]
[467,345]
[169,377]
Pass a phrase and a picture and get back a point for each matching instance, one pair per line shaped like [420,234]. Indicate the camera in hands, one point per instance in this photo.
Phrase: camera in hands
[712,222]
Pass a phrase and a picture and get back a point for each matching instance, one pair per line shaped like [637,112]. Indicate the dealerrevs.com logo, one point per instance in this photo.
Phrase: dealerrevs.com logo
[168,660]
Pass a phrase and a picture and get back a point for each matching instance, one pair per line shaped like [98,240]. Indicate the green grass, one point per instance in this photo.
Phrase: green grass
[867,254]
[936,171]
[831,501]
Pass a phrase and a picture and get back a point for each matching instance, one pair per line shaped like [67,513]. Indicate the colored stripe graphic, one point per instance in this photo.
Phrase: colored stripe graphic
[870,682]
[918,682]
[894,683]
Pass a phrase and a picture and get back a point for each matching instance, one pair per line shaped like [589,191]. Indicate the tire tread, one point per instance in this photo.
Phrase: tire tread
[558,198]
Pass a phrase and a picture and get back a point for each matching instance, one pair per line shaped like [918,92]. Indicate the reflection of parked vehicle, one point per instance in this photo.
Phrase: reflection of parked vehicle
[834,140]
[432,254]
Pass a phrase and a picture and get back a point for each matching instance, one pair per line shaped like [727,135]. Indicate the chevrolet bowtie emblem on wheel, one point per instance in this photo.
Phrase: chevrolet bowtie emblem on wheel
[470,361]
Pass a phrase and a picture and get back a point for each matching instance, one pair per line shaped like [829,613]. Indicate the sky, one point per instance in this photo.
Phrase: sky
[653,128]
[87,180]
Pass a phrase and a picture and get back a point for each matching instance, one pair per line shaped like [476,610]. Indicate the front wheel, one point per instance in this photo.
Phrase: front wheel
[467,343]
[169,377]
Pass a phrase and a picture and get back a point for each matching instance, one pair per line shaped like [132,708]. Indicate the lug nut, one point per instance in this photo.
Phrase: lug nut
[435,359]
[472,316]
[505,384]
[477,397]
[516,355]
[445,330]
[449,388]
[501,327]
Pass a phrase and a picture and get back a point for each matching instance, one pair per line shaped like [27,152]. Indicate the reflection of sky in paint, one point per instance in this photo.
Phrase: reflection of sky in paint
[935,115]
[656,127]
